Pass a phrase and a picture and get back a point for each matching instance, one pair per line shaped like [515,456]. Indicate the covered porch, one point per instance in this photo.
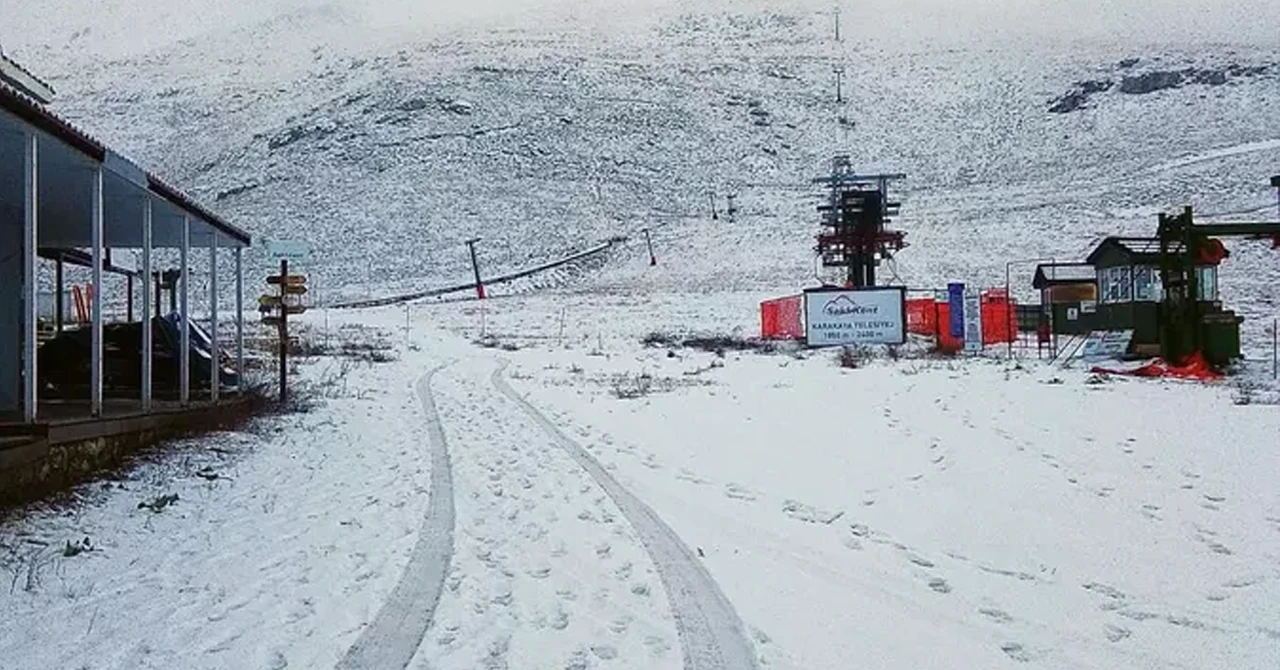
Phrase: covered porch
[66,199]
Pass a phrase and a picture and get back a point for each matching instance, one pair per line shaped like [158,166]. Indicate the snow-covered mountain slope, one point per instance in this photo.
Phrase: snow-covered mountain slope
[386,133]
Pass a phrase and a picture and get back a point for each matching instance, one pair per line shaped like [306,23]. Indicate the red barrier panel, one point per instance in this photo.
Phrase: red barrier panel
[780,318]
[946,343]
[922,317]
[999,318]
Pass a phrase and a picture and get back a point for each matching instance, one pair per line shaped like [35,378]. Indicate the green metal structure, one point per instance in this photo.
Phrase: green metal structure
[1186,324]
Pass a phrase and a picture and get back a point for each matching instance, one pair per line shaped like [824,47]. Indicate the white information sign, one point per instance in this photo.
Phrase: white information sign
[294,251]
[1107,344]
[855,316]
[972,321]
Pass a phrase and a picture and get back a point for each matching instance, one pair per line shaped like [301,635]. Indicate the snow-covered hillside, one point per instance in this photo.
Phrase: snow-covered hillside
[564,496]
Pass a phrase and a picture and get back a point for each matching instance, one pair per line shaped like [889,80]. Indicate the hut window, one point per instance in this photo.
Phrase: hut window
[1115,284]
[1207,282]
[1144,283]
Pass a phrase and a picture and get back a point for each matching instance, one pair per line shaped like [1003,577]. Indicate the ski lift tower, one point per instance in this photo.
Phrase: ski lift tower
[853,234]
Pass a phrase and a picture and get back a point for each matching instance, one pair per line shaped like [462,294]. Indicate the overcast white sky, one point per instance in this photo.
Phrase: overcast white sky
[135,26]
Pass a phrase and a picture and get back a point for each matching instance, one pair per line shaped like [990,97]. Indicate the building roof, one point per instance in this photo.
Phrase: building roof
[1058,274]
[12,73]
[1140,250]
[31,112]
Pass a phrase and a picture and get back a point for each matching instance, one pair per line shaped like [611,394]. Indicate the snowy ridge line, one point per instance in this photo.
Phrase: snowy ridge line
[711,633]
[390,641]
[431,293]
[1218,154]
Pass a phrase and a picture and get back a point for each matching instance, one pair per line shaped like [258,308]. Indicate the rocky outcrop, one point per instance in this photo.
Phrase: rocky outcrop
[1152,81]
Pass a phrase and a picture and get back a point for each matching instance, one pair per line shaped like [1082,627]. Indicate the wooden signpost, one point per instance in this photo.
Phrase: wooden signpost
[276,308]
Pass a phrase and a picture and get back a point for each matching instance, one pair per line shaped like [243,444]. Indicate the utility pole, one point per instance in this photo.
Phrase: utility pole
[1275,183]
[837,21]
[653,260]
[475,267]
[839,70]
[284,333]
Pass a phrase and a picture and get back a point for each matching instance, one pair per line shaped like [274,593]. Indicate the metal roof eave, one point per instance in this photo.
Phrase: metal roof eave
[33,113]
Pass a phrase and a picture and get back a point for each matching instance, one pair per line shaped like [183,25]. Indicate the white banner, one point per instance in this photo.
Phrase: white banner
[855,316]
[972,321]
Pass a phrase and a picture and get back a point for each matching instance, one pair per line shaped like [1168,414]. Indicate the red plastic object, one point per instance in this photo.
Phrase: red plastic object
[1194,367]
[780,318]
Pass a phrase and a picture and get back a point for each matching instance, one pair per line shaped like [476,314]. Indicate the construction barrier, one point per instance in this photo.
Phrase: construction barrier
[780,318]
[930,317]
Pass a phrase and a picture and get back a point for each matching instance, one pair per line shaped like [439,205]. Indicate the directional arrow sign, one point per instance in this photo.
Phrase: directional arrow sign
[266,309]
[270,320]
[291,280]
[295,289]
[268,301]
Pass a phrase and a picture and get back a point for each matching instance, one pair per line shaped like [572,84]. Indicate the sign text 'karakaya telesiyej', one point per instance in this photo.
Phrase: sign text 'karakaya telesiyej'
[861,316]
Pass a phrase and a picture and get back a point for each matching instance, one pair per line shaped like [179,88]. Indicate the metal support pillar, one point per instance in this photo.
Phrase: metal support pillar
[95,356]
[239,322]
[184,323]
[58,304]
[147,325]
[30,238]
[215,354]
[128,300]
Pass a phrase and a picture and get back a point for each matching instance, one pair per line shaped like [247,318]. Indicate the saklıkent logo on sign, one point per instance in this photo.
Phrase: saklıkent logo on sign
[845,306]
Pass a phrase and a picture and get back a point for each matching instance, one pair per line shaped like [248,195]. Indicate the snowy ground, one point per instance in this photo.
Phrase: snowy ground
[912,513]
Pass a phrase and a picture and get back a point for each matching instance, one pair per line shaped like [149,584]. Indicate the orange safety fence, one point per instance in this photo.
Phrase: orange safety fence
[780,318]
[930,317]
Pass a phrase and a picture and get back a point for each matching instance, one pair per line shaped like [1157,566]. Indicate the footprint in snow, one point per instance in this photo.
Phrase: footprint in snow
[1244,582]
[920,561]
[998,616]
[1016,652]
[620,624]
[1115,633]
[605,652]
[939,585]
[578,661]
[560,621]
[657,646]
[739,492]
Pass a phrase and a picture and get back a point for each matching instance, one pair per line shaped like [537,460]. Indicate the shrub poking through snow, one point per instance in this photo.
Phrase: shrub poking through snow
[160,503]
[853,357]
[76,548]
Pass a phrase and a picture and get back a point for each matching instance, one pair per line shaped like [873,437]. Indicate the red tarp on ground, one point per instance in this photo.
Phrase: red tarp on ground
[780,318]
[1195,367]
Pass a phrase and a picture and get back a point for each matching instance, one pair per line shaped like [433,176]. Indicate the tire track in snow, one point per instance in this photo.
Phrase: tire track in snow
[711,635]
[390,641]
